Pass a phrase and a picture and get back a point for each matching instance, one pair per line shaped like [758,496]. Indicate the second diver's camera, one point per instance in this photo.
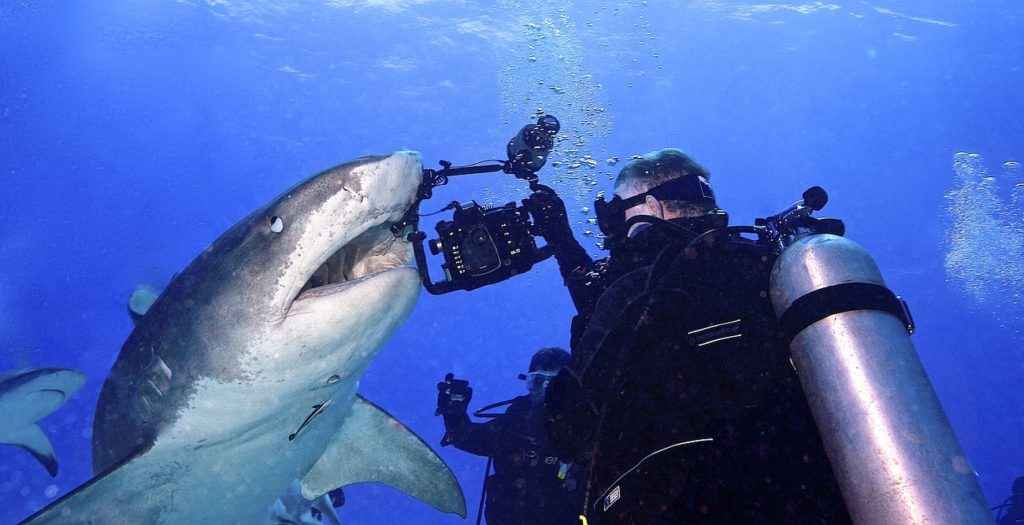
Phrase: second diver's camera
[453,390]
[483,245]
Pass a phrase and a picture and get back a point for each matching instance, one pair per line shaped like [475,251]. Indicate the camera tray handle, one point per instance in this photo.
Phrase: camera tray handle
[416,237]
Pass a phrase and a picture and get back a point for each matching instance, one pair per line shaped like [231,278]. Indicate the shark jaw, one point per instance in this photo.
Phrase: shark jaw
[333,229]
[374,252]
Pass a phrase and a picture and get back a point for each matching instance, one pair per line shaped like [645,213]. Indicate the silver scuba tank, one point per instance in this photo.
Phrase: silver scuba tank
[890,444]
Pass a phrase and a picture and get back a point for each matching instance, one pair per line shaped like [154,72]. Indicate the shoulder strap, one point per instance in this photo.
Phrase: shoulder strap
[630,291]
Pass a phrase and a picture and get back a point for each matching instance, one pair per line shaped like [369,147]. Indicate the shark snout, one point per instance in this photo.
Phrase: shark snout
[336,225]
[383,189]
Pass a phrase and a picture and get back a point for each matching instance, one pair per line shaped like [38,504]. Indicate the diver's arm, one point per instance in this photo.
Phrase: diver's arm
[586,285]
[578,275]
[481,439]
[551,222]
[571,257]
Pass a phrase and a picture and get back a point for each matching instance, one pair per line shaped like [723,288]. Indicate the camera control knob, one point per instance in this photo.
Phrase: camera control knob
[435,246]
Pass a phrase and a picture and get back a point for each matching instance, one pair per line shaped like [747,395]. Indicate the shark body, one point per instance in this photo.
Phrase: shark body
[242,375]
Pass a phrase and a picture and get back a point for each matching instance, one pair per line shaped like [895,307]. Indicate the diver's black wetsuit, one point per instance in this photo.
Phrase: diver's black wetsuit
[682,344]
[586,280]
[1011,512]
[525,487]
[1015,516]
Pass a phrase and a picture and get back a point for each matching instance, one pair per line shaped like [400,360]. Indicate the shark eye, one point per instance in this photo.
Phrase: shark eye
[333,379]
[276,224]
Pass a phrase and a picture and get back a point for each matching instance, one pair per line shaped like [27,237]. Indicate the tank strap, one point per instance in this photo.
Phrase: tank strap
[846,297]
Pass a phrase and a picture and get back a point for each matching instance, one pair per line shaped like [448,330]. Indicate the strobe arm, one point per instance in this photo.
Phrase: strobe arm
[434,178]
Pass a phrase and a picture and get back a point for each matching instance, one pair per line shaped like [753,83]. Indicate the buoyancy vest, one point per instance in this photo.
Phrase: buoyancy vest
[689,339]
[688,347]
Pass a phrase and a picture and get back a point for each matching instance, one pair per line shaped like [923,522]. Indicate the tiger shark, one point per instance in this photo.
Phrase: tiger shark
[242,375]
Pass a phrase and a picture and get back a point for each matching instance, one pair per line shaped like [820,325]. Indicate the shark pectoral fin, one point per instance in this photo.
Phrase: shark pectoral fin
[32,439]
[373,446]
[136,490]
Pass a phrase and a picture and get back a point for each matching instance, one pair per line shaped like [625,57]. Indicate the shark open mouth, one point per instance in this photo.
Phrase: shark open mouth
[375,251]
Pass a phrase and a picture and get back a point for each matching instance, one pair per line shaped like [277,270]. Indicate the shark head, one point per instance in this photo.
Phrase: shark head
[331,228]
[280,311]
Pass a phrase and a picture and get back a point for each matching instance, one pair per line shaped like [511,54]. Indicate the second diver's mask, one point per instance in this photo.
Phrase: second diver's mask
[537,383]
[611,215]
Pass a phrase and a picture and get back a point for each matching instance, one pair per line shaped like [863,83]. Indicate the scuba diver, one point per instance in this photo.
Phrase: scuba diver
[1011,512]
[531,484]
[680,398]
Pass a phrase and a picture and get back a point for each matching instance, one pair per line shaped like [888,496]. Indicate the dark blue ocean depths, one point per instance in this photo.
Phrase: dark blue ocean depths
[133,133]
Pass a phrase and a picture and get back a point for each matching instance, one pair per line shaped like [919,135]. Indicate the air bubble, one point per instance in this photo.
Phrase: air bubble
[985,239]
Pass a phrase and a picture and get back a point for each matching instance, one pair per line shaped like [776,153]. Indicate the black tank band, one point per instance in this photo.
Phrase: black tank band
[840,298]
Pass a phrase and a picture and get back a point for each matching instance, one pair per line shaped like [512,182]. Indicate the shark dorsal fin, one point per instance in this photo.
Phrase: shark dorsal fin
[373,446]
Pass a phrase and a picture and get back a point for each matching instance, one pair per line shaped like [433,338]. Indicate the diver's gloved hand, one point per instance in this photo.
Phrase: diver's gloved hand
[453,396]
[549,217]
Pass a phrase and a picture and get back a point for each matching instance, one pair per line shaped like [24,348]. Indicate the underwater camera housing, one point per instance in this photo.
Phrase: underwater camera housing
[484,245]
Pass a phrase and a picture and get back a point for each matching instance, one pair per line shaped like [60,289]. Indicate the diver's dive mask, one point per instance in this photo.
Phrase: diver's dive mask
[611,215]
[537,383]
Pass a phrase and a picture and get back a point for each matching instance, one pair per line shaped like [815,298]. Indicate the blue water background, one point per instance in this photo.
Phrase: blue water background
[133,133]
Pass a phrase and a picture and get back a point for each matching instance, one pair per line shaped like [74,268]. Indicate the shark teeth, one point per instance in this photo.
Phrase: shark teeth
[375,251]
